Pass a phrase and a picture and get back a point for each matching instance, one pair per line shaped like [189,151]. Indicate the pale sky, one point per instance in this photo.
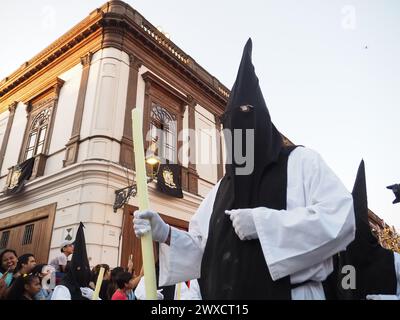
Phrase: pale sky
[329,69]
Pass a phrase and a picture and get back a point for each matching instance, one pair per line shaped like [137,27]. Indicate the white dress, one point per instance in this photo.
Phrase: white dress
[299,241]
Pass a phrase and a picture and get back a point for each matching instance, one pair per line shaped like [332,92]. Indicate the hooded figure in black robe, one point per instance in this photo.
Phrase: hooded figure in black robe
[78,274]
[232,268]
[374,265]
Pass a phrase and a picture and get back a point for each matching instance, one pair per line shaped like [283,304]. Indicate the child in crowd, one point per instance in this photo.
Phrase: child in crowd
[24,287]
[125,285]
[47,277]
[60,262]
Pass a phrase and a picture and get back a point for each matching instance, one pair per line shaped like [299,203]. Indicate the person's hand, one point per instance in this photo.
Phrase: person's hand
[130,264]
[243,223]
[147,220]
[87,293]
[141,271]
[5,274]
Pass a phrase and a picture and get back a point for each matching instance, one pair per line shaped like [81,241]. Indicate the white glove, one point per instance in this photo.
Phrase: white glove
[243,223]
[160,296]
[147,220]
[87,293]
[382,297]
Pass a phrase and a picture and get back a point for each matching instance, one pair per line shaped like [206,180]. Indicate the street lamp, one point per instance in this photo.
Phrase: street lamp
[154,162]
[122,195]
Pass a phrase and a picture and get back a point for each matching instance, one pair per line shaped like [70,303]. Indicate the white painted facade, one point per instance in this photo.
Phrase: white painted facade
[84,191]
[3,124]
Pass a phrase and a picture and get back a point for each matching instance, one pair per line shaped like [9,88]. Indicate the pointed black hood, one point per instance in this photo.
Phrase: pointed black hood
[373,264]
[360,201]
[78,274]
[246,109]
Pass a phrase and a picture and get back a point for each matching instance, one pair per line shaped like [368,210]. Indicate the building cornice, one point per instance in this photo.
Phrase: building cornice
[53,53]
[112,25]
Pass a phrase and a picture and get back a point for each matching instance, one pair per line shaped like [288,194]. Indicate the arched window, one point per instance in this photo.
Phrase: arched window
[37,133]
[163,132]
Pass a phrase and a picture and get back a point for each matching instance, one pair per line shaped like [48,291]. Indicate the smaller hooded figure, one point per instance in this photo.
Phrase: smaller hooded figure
[75,284]
[374,265]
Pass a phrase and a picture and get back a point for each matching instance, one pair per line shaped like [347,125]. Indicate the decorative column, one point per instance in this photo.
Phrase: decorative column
[6,137]
[125,156]
[220,165]
[72,146]
[193,176]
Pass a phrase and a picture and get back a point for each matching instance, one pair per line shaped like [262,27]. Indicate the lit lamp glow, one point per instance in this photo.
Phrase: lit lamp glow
[153,160]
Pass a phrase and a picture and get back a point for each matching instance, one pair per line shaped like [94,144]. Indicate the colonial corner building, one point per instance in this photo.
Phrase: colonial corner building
[69,109]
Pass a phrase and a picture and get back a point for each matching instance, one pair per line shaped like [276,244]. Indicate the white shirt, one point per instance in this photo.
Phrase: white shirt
[298,242]
[60,260]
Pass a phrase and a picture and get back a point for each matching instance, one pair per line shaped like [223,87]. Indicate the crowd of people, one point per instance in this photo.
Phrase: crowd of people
[22,278]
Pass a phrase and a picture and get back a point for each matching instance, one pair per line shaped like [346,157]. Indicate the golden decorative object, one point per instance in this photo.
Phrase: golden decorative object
[389,238]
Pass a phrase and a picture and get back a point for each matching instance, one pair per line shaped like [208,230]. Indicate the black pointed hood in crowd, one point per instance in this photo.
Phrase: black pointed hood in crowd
[375,272]
[246,109]
[78,274]
[360,201]
[374,265]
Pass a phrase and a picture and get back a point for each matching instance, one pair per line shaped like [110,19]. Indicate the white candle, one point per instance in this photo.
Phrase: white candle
[98,284]
[143,199]
[178,291]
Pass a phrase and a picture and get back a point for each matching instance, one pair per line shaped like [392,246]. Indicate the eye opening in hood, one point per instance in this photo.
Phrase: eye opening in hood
[246,108]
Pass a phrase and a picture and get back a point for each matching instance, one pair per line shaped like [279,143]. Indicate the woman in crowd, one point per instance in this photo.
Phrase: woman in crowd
[8,262]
